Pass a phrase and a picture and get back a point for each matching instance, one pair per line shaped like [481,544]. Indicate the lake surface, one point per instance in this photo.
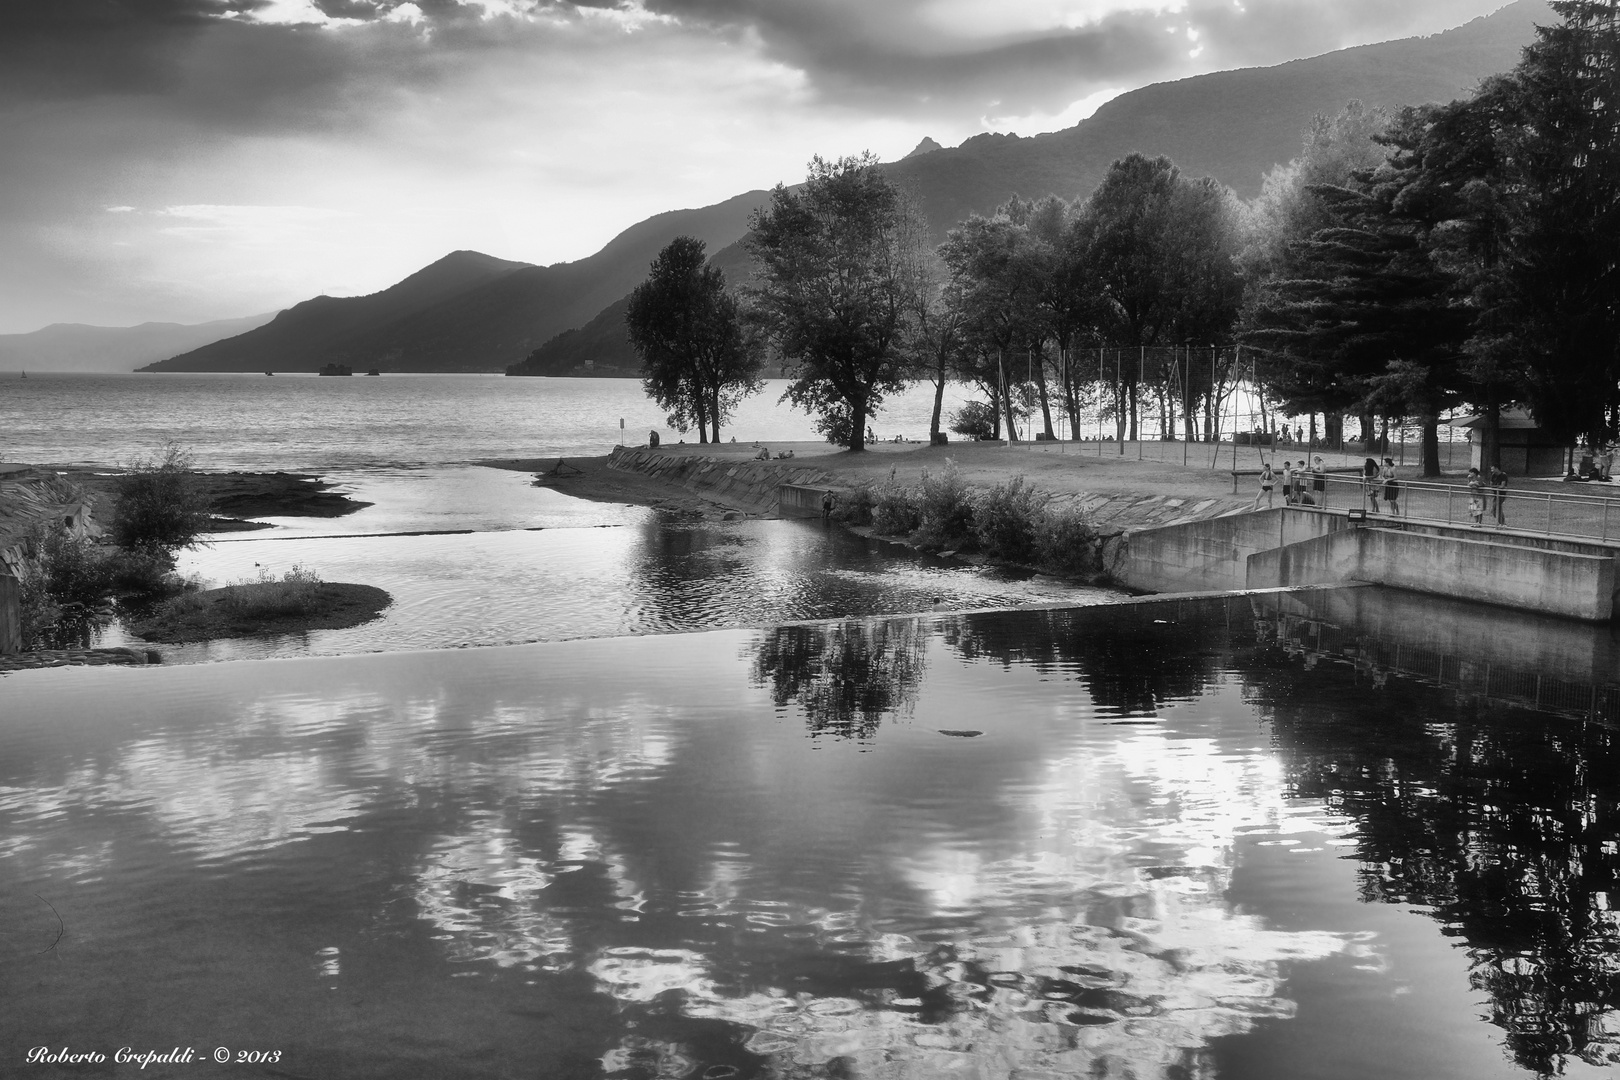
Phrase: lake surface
[310,423]
[1278,837]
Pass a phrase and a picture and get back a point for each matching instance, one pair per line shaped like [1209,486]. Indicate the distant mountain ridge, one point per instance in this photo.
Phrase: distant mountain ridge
[476,313]
[1232,125]
[465,312]
[77,347]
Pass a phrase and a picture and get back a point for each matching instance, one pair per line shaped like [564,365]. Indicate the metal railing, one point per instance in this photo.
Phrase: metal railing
[1548,513]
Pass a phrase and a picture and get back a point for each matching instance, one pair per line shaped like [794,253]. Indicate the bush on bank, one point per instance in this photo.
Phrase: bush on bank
[1010,522]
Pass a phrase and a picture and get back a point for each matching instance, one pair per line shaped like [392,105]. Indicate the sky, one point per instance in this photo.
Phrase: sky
[186,160]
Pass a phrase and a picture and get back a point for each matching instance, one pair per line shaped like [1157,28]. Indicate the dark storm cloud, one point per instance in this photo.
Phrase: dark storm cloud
[228,61]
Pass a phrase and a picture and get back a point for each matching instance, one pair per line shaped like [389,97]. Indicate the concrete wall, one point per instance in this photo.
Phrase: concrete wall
[800,500]
[10,616]
[1213,554]
[1544,578]
[1564,583]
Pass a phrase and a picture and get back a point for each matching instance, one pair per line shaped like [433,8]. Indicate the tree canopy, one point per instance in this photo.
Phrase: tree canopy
[837,290]
[696,360]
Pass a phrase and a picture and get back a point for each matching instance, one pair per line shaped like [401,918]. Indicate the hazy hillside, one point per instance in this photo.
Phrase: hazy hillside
[76,347]
[1233,125]
[466,312]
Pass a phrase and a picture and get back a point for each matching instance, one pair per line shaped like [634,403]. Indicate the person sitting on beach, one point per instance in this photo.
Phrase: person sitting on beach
[764,454]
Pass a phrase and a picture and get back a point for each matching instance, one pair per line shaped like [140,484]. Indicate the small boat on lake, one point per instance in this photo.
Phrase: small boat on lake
[373,371]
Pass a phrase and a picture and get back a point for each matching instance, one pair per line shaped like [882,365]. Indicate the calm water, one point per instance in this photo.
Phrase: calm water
[1246,839]
[305,422]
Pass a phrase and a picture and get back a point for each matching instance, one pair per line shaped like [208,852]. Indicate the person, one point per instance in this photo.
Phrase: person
[826,506]
[1499,493]
[764,454]
[1288,483]
[1319,481]
[1392,486]
[1268,480]
[1476,498]
[652,440]
[1369,482]
[1607,460]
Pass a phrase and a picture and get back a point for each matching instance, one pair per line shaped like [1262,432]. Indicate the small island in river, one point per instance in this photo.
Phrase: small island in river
[224,613]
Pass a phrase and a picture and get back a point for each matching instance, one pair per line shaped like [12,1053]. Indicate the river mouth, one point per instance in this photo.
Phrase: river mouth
[1217,838]
[476,556]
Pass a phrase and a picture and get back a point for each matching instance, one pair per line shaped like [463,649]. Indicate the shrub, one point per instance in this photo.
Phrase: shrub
[293,594]
[157,504]
[975,419]
[945,509]
[1067,540]
[855,508]
[894,509]
[66,590]
[1005,521]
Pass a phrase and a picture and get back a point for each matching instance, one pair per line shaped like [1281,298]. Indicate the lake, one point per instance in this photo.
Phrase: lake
[1229,838]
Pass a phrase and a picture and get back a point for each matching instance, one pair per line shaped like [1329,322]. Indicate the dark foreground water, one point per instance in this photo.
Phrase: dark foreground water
[1320,836]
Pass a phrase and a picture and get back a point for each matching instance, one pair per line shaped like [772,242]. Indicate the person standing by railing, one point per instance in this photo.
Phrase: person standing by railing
[1392,486]
[1369,482]
[1499,493]
[1476,498]
[1288,483]
[1319,481]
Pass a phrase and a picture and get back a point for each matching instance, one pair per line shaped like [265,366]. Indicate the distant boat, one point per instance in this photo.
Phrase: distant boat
[336,369]
[269,373]
[373,371]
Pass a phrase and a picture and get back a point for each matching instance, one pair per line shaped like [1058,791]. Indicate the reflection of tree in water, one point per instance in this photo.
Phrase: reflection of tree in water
[846,676]
[1131,659]
[1504,821]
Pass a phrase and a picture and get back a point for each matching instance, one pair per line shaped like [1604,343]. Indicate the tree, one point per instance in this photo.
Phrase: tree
[157,506]
[695,360]
[998,288]
[836,294]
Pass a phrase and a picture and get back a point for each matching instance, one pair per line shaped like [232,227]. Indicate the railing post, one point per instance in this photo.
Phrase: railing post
[1549,513]
[1605,518]
[1449,493]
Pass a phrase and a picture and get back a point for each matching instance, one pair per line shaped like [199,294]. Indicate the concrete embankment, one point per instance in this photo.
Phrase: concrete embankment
[1299,546]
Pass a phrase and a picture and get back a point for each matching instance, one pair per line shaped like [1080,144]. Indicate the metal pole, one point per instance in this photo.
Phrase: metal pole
[1549,513]
[1605,518]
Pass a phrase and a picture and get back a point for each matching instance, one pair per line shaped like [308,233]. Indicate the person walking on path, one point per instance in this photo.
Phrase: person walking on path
[1268,480]
[1392,487]
[1369,482]
[1476,498]
[826,507]
[1499,493]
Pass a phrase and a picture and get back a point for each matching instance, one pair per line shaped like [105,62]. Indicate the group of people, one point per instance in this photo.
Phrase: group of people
[1308,488]
[1479,500]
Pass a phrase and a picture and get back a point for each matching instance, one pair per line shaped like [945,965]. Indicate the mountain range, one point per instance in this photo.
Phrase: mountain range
[77,347]
[473,312]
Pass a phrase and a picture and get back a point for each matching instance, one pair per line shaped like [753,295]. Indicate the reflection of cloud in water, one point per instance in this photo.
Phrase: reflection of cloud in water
[1106,941]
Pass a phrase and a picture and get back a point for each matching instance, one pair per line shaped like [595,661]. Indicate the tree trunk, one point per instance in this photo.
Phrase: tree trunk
[714,413]
[1334,425]
[857,423]
[1133,391]
[1491,447]
[1369,430]
[1046,407]
[939,403]
[1431,446]
[1006,396]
